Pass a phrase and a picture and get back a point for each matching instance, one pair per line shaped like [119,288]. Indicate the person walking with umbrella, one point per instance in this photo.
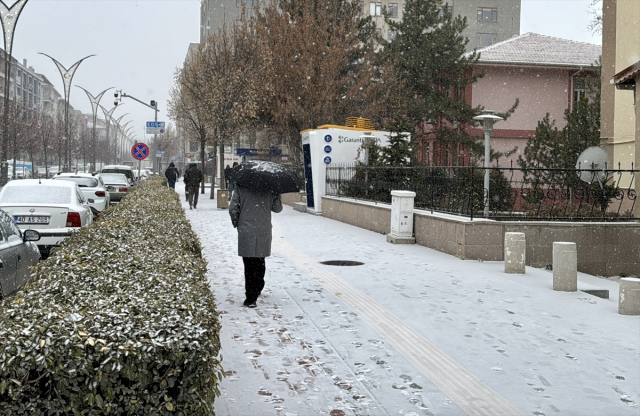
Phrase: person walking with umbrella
[172,175]
[250,213]
[192,178]
[256,194]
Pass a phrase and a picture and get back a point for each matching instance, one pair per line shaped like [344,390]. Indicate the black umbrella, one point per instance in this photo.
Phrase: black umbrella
[266,176]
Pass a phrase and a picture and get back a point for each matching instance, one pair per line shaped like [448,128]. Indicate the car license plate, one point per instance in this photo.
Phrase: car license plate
[31,220]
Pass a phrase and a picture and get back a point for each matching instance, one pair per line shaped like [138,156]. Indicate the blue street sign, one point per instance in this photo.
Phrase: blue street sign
[155,124]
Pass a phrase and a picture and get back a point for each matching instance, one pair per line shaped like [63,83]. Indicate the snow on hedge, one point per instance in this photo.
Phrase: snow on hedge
[119,320]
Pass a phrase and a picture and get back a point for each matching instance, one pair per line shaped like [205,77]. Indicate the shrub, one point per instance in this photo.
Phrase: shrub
[118,320]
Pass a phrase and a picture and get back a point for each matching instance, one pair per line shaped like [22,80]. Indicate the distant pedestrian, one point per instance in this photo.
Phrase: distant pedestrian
[192,178]
[250,213]
[172,175]
[226,176]
[231,184]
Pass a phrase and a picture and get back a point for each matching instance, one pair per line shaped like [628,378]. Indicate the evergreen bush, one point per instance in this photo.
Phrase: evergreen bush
[119,320]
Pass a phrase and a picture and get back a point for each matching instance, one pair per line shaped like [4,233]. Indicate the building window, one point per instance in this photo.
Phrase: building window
[486,39]
[449,9]
[579,90]
[391,35]
[487,14]
[375,8]
[393,9]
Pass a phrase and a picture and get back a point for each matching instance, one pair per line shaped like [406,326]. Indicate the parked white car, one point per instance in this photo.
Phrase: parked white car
[91,186]
[56,209]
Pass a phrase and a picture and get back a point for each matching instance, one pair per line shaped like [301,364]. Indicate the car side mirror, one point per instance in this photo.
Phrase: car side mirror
[30,235]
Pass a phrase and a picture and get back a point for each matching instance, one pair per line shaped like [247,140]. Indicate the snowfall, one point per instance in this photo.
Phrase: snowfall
[412,331]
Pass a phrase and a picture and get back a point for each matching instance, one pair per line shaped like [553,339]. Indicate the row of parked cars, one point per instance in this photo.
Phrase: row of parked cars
[37,214]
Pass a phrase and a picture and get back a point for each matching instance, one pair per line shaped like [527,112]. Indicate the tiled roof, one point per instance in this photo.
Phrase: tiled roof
[535,49]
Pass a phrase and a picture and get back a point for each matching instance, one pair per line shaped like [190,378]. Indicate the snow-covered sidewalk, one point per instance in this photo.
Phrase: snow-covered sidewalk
[411,331]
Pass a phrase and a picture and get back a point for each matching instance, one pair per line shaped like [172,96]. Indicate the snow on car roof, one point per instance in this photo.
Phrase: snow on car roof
[33,191]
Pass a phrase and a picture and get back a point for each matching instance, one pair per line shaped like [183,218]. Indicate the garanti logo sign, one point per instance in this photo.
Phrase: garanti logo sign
[344,139]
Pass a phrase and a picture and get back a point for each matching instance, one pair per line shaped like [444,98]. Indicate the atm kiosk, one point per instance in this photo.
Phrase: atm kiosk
[331,145]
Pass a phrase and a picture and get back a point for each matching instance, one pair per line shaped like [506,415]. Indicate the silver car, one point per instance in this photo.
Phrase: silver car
[117,184]
[18,252]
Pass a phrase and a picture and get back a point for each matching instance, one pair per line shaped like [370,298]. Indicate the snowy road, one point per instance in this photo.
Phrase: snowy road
[412,331]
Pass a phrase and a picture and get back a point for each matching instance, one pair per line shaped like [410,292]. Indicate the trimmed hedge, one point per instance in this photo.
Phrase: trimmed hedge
[119,320]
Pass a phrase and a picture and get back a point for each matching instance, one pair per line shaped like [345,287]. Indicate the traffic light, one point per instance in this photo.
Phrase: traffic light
[153,103]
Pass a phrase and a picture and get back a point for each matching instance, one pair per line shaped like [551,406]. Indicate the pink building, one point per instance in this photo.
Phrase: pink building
[547,75]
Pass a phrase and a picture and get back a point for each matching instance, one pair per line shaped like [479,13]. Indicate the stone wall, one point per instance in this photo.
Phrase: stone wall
[367,215]
[604,249]
[292,198]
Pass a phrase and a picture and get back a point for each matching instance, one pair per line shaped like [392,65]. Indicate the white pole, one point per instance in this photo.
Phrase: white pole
[487,155]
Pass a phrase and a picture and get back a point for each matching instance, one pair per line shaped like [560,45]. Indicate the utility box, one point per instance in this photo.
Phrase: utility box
[223,198]
[331,146]
[401,218]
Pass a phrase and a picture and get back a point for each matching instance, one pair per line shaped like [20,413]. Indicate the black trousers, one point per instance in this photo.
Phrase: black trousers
[192,195]
[254,270]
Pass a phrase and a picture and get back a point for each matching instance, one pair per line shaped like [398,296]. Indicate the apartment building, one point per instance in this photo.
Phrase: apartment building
[488,21]
[214,14]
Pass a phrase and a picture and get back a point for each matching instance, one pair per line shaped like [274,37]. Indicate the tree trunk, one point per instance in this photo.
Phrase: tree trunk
[221,163]
[203,142]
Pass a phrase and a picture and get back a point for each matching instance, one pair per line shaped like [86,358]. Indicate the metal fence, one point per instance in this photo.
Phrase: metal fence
[532,194]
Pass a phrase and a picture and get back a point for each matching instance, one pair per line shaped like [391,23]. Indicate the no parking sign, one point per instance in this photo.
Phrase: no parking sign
[140,151]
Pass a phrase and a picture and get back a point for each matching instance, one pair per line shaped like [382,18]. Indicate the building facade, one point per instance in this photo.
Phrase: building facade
[621,49]
[488,21]
[620,113]
[216,13]
[545,73]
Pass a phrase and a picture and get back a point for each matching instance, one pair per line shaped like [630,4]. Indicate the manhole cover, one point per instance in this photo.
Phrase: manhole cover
[342,263]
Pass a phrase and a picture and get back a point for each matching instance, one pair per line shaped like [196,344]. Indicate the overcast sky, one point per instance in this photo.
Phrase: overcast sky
[139,43]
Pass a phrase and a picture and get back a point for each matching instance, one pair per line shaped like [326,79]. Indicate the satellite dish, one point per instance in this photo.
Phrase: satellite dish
[592,163]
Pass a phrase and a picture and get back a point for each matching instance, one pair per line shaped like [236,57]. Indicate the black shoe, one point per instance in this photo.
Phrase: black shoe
[249,304]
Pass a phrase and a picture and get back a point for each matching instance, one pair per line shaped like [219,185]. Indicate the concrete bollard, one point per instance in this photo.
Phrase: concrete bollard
[514,253]
[565,267]
[629,302]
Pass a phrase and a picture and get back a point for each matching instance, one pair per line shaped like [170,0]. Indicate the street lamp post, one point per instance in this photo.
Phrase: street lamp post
[67,77]
[488,118]
[123,134]
[115,139]
[108,117]
[95,102]
[9,19]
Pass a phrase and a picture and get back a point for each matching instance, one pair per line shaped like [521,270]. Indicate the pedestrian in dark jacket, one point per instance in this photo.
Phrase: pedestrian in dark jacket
[231,184]
[226,176]
[172,175]
[192,178]
[250,213]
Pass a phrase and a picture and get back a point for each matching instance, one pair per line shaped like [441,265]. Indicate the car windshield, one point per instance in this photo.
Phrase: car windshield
[82,182]
[114,178]
[126,172]
[40,194]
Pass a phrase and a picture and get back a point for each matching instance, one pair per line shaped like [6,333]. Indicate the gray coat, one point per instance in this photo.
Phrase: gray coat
[250,212]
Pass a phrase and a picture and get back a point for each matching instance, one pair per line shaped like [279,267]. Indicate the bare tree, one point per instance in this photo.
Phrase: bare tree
[217,91]
[323,66]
